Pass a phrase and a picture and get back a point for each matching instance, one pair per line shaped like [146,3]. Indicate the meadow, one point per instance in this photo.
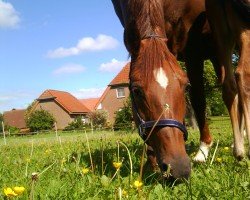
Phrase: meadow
[106,165]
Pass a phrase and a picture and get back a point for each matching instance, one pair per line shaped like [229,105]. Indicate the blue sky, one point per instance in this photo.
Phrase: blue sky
[75,46]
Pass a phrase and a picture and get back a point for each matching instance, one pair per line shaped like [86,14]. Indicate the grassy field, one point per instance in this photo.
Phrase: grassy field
[66,168]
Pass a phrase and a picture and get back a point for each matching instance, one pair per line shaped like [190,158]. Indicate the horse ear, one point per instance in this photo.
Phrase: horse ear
[132,38]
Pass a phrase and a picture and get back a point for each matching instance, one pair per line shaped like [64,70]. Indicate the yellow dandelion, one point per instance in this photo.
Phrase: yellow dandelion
[85,170]
[138,184]
[9,192]
[28,160]
[226,148]
[63,160]
[117,165]
[124,193]
[19,190]
[219,160]
[47,151]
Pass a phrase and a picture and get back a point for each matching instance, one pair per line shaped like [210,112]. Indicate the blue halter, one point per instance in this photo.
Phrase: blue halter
[144,125]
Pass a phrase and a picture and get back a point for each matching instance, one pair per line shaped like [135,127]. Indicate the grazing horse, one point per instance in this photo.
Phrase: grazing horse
[157,33]
[230,24]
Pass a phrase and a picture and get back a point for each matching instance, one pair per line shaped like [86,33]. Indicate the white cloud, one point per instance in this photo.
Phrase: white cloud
[88,93]
[16,99]
[69,69]
[8,15]
[102,42]
[113,66]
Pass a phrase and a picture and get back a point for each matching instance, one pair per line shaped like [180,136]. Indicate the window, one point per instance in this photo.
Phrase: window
[99,107]
[120,92]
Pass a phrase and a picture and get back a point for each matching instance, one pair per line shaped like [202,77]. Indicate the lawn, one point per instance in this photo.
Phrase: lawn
[80,165]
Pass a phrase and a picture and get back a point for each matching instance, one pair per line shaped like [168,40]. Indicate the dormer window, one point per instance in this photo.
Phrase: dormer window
[120,92]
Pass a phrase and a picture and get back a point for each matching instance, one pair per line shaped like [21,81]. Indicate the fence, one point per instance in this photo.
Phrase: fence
[123,127]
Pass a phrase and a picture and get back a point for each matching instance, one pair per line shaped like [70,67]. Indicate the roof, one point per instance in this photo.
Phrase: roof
[15,118]
[71,104]
[122,77]
[89,103]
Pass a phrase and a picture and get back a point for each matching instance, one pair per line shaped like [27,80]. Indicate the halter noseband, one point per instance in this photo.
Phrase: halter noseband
[144,125]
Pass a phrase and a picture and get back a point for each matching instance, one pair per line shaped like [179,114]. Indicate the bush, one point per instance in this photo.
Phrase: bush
[40,120]
[77,124]
[124,117]
[12,129]
[99,118]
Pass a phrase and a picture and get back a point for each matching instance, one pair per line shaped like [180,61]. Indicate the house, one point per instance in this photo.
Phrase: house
[115,94]
[90,103]
[15,118]
[62,105]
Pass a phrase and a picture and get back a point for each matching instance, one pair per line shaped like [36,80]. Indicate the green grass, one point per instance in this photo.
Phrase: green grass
[59,164]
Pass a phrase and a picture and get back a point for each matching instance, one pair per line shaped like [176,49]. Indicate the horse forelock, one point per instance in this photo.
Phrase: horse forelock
[154,55]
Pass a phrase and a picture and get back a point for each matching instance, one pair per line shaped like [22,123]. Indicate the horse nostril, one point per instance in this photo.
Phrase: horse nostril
[165,170]
[165,167]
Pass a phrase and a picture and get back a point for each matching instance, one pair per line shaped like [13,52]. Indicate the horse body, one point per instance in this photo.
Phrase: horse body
[156,34]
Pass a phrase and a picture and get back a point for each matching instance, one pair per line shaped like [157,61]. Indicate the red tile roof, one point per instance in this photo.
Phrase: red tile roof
[90,103]
[14,118]
[122,77]
[71,104]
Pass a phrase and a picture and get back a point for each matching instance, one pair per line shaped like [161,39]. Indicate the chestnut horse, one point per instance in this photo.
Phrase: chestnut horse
[230,24]
[156,34]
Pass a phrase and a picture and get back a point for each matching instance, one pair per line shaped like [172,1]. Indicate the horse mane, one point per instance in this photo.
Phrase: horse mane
[147,16]
[243,8]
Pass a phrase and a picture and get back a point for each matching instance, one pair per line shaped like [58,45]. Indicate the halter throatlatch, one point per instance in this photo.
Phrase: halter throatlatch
[154,35]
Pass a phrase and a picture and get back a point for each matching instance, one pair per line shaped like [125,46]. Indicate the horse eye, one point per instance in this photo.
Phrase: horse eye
[137,91]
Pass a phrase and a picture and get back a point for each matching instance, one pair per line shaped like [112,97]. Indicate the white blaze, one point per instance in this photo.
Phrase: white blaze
[161,77]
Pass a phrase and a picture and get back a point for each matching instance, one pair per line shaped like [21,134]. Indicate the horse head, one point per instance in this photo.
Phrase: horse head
[157,86]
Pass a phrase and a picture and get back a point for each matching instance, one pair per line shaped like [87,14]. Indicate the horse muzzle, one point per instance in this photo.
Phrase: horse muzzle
[177,170]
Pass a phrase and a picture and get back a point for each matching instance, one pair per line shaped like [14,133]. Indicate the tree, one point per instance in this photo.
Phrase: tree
[99,118]
[1,120]
[40,120]
[215,104]
[124,116]
[28,110]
